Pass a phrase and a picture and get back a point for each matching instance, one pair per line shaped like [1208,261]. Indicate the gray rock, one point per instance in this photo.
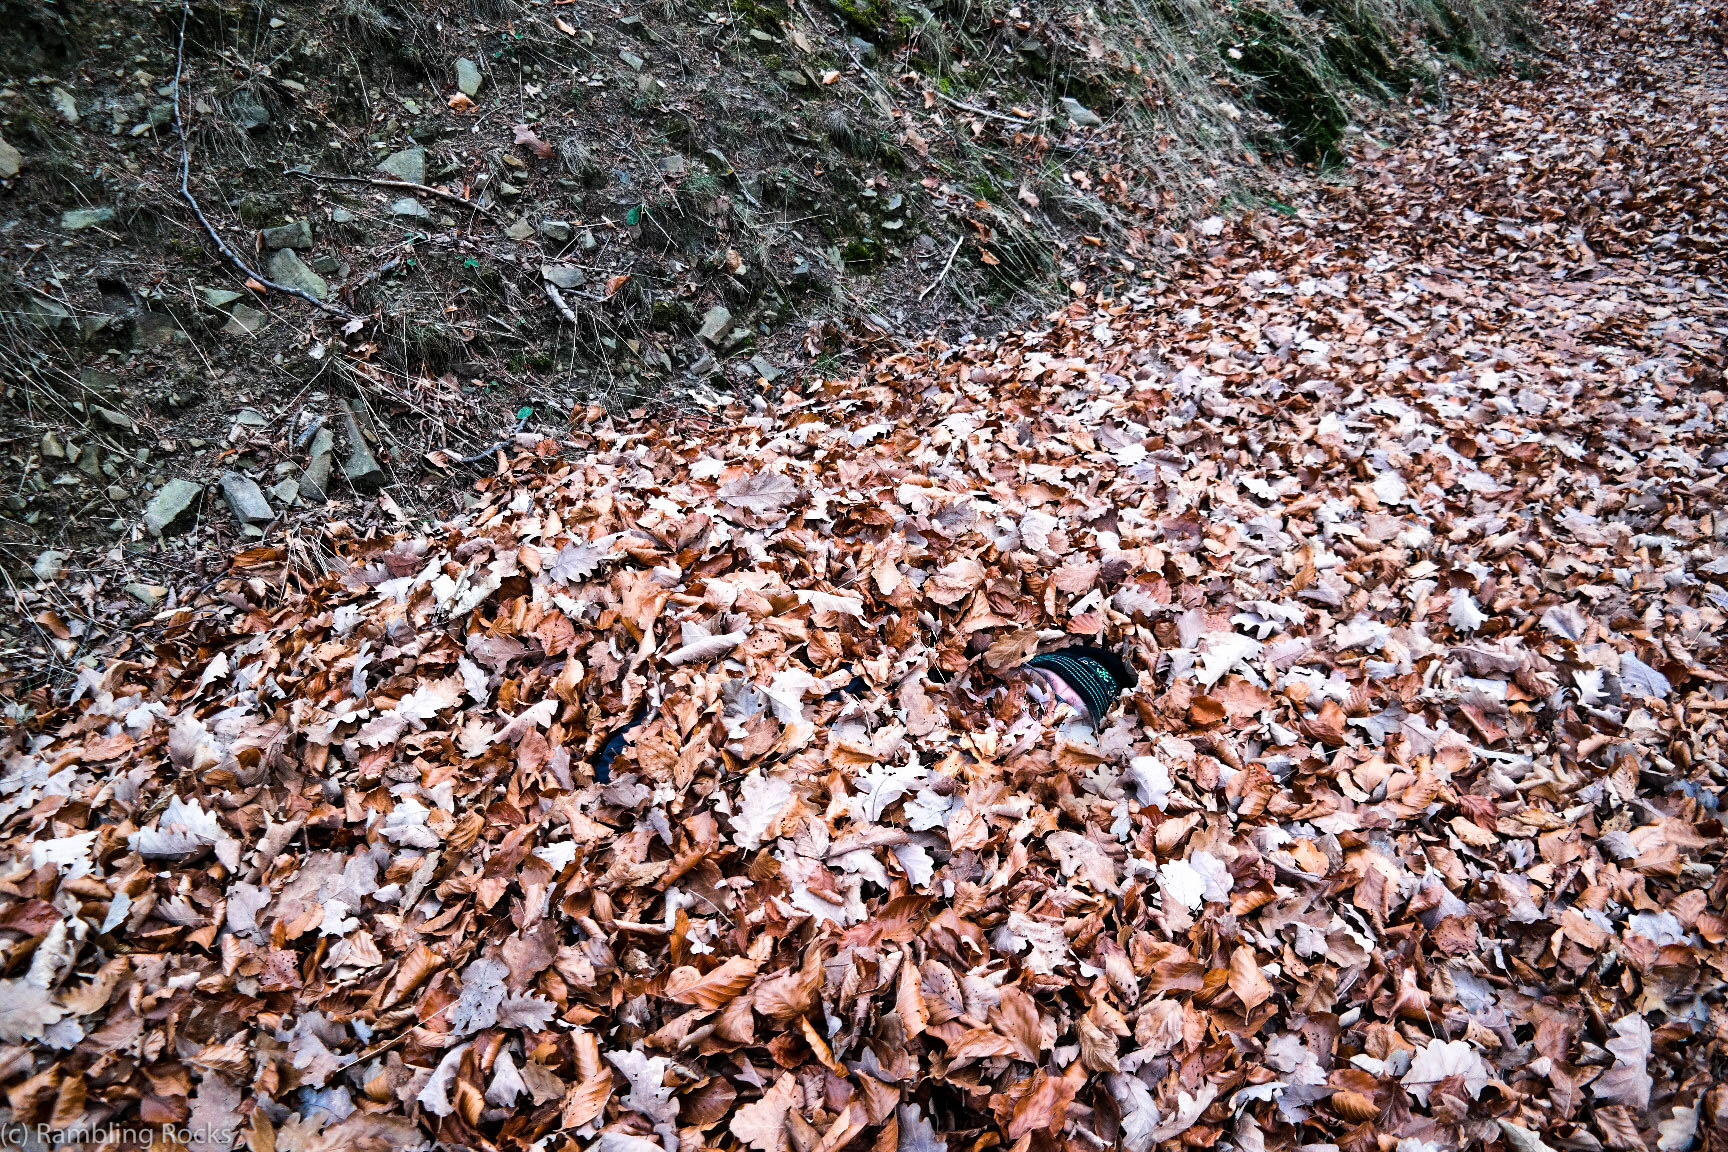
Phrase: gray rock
[408,164]
[341,215]
[248,111]
[50,564]
[287,492]
[221,297]
[118,420]
[563,275]
[519,230]
[148,595]
[327,265]
[102,385]
[170,505]
[361,467]
[155,328]
[78,219]
[65,104]
[408,206]
[245,498]
[245,320]
[315,481]
[1080,115]
[715,323]
[42,312]
[294,234]
[288,270]
[737,338]
[11,160]
[468,79]
[557,231]
[764,369]
[862,48]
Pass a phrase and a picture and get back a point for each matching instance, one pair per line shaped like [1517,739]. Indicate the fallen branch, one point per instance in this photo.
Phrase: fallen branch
[557,299]
[192,201]
[401,185]
[305,437]
[943,275]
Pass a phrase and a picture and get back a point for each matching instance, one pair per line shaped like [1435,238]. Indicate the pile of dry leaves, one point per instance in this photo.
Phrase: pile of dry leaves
[1410,838]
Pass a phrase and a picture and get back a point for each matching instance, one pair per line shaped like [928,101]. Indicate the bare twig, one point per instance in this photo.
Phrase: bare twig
[192,201]
[1017,121]
[397,1039]
[401,185]
[943,275]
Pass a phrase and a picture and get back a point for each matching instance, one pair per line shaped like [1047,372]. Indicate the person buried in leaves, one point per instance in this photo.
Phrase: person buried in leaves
[1077,683]
[1069,692]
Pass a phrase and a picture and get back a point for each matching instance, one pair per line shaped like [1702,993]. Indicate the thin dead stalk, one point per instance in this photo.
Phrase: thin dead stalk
[943,275]
[401,185]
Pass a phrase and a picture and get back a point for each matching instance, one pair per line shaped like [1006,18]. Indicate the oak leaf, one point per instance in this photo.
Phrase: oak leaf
[761,1124]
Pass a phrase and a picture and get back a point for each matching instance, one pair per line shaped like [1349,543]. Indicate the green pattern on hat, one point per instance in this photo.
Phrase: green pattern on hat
[1086,675]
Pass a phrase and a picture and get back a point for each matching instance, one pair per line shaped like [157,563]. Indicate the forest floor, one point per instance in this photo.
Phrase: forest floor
[1410,510]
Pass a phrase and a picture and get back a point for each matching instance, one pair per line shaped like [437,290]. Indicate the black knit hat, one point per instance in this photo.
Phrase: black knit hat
[1097,674]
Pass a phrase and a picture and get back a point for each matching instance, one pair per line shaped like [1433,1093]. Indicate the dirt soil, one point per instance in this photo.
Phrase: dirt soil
[1409,510]
[654,208]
